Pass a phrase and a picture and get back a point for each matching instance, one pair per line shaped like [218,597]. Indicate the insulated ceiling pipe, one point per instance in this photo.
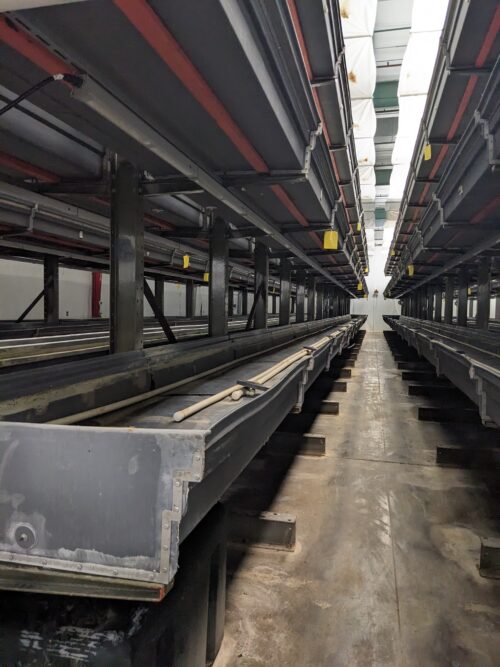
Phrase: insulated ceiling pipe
[15,5]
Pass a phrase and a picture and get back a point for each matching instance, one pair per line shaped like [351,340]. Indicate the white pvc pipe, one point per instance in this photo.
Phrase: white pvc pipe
[14,5]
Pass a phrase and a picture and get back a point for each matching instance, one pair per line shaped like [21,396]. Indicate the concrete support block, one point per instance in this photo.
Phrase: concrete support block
[489,563]
[308,444]
[269,530]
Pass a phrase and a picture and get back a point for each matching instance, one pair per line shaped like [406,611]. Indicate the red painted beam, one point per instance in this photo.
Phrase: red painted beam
[157,35]
[27,168]
[33,50]
[146,21]
[142,16]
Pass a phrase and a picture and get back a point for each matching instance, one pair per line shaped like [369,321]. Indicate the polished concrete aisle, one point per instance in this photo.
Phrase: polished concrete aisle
[385,571]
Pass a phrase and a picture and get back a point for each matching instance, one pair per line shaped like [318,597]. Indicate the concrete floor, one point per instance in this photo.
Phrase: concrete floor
[385,571]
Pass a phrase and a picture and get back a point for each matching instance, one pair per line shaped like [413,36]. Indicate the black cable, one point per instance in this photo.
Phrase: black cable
[69,78]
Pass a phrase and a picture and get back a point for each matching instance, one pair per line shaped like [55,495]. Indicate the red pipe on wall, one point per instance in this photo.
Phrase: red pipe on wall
[96,294]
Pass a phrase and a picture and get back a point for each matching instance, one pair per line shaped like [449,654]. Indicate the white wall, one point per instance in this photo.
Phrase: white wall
[20,282]
[376,307]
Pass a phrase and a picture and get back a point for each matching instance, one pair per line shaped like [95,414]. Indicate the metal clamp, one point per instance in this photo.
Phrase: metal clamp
[253,386]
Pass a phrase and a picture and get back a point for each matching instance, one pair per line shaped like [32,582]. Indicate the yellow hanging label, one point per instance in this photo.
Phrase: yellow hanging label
[469,291]
[206,277]
[358,227]
[427,152]
[331,240]
[360,287]
[366,271]
[393,252]
[185,261]
[411,269]
[365,296]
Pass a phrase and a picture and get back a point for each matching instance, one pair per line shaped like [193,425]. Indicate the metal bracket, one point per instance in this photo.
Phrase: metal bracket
[254,386]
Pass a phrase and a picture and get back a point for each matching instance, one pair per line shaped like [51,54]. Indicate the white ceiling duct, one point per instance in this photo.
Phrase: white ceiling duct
[398,180]
[418,63]
[428,15]
[358,17]
[365,152]
[361,67]
[366,175]
[364,118]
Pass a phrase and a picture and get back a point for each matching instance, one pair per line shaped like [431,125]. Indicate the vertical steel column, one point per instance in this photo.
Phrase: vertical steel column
[423,303]
[319,302]
[301,293]
[126,260]
[328,301]
[51,289]
[463,286]
[483,293]
[219,277]
[448,299]
[160,293]
[438,307]
[497,308]
[275,304]
[190,298]
[230,301]
[261,284]
[285,285]
[244,302]
[430,302]
[311,297]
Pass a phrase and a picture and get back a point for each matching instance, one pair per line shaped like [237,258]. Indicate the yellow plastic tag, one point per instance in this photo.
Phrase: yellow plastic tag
[393,252]
[206,277]
[185,262]
[427,152]
[411,269]
[360,287]
[358,227]
[366,271]
[365,296]
[331,240]
[469,291]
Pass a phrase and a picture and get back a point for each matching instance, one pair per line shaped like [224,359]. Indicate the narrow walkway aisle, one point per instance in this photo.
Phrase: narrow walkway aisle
[385,568]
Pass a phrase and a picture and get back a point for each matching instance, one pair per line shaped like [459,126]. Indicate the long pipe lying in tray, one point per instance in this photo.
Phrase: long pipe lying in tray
[139,398]
[238,390]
